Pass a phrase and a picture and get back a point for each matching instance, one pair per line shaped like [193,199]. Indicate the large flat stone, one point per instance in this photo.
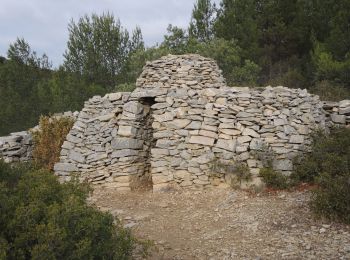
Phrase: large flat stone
[164,117]
[178,123]
[124,153]
[156,151]
[196,139]
[232,132]
[339,119]
[208,133]
[74,139]
[106,117]
[229,145]
[250,132]
[296,139]
[283,165]
[76,156]
[160,178]
[126,130]
[65,167]
[114,96]
[126,143]
[133,107]
[244,139]
[194,125]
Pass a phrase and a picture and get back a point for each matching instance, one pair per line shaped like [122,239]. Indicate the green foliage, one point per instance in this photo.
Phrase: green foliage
[18,99]
[236,21]
[43,219]
[328,68]
[246,74]
[21,52]
[133,66]
[330,91]
[328,166]
[330,153]
[98,48]
[274,179]
[202,21]
[332,198]
[236,171]
[176,40]
[301,44]
[49,139]
[274,33]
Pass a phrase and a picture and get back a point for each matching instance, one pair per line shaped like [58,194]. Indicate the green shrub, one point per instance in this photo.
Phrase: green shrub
[43,219]
[330,153]
[236,171]
[328,166]
[274,179]
[332,198]
[49,139]
[330,91]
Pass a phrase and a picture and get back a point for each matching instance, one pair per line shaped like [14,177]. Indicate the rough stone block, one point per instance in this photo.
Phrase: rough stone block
[178,123]
[196,139]
[229,145]
[339,119]
[296,139]
[133,107]
[250,132]
[158,152]
[124,153]
[283,165]
[126,143]
[65,167]
[160,178]
[126,130]
[76,156]
[164,117]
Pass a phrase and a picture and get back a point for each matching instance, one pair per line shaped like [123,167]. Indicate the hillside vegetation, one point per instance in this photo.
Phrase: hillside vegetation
[292,43]
[43,219]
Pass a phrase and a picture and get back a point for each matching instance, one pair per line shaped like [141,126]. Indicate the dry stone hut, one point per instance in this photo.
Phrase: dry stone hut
[179,120]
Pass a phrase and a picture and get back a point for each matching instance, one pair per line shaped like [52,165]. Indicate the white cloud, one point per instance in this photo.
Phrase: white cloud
[43,23]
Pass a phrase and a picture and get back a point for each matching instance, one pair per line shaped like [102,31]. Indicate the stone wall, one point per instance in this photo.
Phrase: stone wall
[181,119]
[108,143]
[337,113]
[16,147]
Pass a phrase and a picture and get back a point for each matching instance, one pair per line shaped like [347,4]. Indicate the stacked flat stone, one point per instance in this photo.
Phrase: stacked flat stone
[180,119]
[19,146]
[16,147]
[88,146]
[337,113]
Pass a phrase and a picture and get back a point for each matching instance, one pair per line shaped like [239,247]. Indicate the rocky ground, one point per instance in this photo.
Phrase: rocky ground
[227,224]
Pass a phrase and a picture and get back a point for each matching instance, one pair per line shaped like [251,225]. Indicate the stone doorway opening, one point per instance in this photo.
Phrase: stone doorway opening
[148,139]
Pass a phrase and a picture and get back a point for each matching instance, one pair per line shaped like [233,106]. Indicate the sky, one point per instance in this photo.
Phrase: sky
[43,23]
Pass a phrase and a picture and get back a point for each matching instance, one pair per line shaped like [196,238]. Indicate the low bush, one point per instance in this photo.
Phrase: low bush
[328,166]
[330,91]
[332,198]
[43,219]
[236,171]
[49,139]
[274,179]
[329,152]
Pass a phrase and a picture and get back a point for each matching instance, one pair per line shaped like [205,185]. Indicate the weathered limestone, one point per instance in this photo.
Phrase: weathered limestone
[182,118]
[16,147]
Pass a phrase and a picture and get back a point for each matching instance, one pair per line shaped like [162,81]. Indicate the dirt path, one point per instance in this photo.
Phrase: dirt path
[227,224]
